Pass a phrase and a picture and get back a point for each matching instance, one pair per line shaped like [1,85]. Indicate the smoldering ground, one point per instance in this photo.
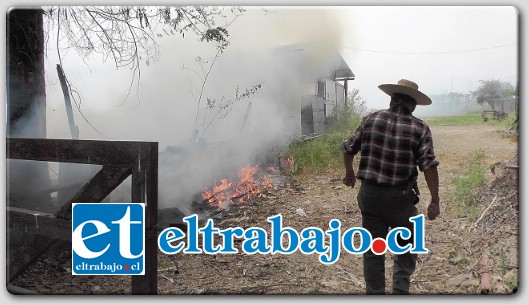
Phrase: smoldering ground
[169,104]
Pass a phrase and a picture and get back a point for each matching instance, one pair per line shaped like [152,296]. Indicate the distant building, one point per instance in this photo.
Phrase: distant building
[325,75]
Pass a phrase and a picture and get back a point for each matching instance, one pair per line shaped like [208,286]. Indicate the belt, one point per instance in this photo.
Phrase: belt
[409,187]
[385,184]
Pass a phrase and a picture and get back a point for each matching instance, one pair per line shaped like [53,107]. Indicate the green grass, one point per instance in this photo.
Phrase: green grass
[467,186]
[512,282]
[320,153]
[469,119]
[323,152]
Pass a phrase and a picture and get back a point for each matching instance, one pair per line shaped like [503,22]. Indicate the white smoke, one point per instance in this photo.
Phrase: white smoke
[164,109]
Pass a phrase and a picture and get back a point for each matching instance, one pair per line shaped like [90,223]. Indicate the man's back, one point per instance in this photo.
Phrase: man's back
[392,143]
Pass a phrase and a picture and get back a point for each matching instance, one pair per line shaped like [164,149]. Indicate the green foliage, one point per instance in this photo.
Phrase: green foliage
[324,152]
[492,91]
[510,91]
[459,120]
[469,119]
[512,282]
[219,35]
[507,123]
[319,153]
[349,117]
[467,186]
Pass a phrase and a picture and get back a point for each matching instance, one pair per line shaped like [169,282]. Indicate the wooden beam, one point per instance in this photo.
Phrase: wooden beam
[74,151]
[99,187]
[145,189]
[119,160]
[39,223]
[74,131]
[25,254]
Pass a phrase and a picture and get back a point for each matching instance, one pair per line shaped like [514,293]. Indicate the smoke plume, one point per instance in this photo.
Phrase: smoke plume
[279,52]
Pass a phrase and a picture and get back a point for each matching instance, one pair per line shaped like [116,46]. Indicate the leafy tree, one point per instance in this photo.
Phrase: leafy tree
[356,104]
[510,91]
[492,92]
[348,116]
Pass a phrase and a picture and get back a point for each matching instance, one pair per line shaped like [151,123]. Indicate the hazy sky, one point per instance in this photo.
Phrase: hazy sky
[442,49]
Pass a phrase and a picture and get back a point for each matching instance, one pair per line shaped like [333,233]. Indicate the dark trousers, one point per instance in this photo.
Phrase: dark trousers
[385,207]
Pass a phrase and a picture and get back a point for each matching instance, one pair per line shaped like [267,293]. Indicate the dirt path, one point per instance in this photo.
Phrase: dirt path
[455,145]
[455,247]
[313,200]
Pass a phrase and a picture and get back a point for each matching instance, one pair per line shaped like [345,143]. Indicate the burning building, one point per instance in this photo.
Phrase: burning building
[325,85]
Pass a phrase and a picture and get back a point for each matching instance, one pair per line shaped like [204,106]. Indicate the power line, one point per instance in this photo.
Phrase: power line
[434,52]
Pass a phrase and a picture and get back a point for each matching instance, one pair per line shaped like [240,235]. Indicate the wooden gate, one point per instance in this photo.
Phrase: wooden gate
[120,159]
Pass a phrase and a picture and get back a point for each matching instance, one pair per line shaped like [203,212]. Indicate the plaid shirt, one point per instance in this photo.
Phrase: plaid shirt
[392,143]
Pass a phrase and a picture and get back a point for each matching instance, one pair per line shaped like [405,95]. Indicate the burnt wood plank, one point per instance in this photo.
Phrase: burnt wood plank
[74,151]
[39,223]
[119,160]
[99,187]
[151,240]
[145,189]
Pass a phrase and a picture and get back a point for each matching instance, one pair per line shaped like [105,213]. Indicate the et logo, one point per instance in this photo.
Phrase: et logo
[108,238]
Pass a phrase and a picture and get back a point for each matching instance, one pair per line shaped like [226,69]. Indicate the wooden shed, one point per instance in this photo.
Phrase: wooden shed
[325,91]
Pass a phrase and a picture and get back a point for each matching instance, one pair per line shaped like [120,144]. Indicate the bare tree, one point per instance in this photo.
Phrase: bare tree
[127,35]
[215,108]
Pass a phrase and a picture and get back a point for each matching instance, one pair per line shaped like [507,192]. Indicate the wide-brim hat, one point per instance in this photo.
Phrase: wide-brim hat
[409,88]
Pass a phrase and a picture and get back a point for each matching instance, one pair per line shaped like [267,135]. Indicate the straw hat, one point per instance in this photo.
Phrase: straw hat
[407,87]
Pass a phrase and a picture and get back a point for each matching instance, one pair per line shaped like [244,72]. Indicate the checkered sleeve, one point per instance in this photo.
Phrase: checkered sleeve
[426,157]
[351,146]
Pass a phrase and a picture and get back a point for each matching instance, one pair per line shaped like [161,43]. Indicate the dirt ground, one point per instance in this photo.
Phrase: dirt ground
[451,266]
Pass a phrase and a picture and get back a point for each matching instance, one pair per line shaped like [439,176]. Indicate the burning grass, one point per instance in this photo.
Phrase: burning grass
[250,181]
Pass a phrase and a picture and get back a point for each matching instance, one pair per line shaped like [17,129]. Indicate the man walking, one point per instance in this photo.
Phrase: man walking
[392,143]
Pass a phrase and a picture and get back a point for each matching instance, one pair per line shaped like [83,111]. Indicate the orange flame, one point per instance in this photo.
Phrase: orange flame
[238,190]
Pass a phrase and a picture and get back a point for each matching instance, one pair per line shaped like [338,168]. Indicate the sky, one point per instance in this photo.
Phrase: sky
[442,49]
